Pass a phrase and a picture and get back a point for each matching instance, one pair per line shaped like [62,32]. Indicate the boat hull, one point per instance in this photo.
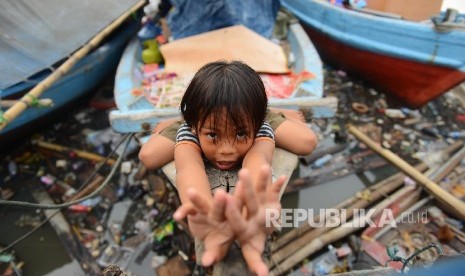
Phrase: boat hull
[75,86]
[411,61]
[408,81]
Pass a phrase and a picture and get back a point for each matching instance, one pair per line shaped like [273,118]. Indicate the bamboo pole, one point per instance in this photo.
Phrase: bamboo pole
[455,205]
[437,176]
[35,92]
[10,103]
[80,153]
[305,234]
[383,187]
[417,205]
[335,234]
[397,209]
[374,193]
[287,248]
[96,182]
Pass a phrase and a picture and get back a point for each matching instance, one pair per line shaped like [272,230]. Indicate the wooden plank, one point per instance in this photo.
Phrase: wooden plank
[283,163]
[128,121]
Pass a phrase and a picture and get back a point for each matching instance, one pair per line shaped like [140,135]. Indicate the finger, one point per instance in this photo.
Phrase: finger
[219,206]
[198,202]
[248,193]
[238,194]
[208,258]
[183,211]
[273,194]
[264,179]
[233,214]
[255,262]
[213,254]
[199,219]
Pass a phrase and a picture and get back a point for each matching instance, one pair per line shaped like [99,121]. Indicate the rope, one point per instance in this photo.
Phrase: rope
[34,101]
[392,253]
[416,253]
[3,119]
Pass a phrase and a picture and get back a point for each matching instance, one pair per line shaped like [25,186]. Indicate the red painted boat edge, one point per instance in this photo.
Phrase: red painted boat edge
[410,82]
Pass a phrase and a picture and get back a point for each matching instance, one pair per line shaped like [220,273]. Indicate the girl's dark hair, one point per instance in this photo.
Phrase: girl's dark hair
[233,87]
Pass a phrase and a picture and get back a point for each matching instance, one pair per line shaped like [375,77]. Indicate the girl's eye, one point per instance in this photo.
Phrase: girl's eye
[211,135]
[241,135]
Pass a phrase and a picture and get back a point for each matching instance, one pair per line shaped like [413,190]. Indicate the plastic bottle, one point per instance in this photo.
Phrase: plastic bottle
[320,162]
[151,53]
[12,168]
[456,134]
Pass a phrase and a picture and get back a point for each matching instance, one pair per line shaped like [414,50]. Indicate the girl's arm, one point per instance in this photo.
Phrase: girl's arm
[206,221]
[159,149]
[190,173]
[157,152]
[292,133]
[296,137]
[261,153]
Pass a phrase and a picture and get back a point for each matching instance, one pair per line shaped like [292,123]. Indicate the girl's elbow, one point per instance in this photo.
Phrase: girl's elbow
[308,145]
[147,160]
[143,157]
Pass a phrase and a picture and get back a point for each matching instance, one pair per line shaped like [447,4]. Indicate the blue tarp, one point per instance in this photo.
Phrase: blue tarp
[191,17]
[35,34]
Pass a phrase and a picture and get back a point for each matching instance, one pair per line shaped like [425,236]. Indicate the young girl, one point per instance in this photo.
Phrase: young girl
[291,133]
[226,127]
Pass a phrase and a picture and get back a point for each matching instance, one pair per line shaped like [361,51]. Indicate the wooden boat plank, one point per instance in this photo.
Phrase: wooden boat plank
[283,163]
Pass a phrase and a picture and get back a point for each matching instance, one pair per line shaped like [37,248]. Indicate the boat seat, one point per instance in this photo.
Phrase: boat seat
[284,163]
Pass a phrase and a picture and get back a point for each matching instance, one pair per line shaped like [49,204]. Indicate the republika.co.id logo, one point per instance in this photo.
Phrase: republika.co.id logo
[339,217]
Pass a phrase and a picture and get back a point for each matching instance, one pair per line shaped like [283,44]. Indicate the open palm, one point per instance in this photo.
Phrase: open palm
[208,223]
[250,226]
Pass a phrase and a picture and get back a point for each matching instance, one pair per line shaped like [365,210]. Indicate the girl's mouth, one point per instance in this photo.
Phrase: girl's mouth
[225,165]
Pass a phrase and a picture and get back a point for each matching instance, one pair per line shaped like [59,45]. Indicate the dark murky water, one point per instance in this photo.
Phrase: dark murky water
[42,252]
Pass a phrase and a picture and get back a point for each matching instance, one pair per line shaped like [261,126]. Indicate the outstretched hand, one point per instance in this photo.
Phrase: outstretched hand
[250,226]
[208,223]
[240,216]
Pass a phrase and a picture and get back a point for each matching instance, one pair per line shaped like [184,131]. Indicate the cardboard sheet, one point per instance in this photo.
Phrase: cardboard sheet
[187,55]
[416,10]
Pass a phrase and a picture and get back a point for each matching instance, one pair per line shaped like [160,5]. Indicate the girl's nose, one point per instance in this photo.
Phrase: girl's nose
[227,147]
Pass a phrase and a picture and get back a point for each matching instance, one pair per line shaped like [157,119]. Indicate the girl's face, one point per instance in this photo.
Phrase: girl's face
[226,146]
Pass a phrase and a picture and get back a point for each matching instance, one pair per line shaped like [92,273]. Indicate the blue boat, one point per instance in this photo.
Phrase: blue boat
[76,84]
[413,61]
[135,114]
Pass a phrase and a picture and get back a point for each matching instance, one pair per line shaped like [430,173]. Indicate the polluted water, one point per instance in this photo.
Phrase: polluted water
[114,226]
